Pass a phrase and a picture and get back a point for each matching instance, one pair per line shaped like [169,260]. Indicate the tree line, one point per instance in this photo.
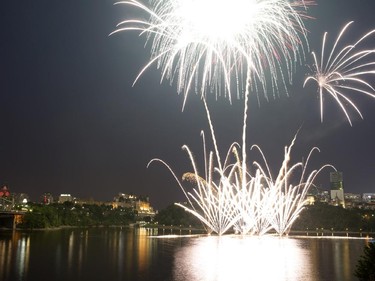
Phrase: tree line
[320,215]
[329,217]
[70,214]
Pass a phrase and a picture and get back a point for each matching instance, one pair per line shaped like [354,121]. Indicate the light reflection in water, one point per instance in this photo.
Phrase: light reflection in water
[242,258]
[137,255]
[5,258]
[136,252]
[23,254]
[143,249]
[341,259]
[70,250]
[16,249]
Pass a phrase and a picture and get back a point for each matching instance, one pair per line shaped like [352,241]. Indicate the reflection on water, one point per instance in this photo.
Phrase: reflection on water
[125,254]
[243,258]
[267,258]
[131,254]
[335,258]
[17,250]
[76,254]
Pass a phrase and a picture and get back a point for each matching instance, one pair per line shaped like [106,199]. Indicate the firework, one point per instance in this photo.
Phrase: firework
[211,46]
[204,45]
[225,198]
[285,200]
[343,72]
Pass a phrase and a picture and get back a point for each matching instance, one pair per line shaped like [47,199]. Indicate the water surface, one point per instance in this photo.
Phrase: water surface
[138,255]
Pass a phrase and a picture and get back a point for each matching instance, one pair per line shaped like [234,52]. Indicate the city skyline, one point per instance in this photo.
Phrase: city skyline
[72,122]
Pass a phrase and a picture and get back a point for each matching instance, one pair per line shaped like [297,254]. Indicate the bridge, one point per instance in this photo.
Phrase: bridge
[10,219]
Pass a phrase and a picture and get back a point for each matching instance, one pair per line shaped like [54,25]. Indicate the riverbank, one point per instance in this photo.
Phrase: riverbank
[155,229]
[64,227]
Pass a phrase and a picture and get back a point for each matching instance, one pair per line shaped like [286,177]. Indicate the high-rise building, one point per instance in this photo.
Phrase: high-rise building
[337,188]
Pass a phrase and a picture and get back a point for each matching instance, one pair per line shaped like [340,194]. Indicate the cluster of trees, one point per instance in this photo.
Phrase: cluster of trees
[326,216]
[365,269]
[319,216]
[176,216]
[70,214]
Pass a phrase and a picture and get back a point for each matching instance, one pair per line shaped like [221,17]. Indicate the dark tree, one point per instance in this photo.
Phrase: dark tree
[175,215]
[365,269]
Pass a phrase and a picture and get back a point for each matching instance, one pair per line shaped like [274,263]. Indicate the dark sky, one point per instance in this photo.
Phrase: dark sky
[71,122]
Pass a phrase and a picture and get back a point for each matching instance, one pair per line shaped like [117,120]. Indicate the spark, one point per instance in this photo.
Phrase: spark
[225,198]
[213,45]
[344,72]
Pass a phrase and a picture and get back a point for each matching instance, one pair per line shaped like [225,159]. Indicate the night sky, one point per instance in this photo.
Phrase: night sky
[71,122]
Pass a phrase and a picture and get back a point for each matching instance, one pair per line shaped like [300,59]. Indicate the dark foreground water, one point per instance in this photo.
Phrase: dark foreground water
[113,254]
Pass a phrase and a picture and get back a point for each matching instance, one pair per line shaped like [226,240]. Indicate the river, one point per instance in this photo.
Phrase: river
[138,254]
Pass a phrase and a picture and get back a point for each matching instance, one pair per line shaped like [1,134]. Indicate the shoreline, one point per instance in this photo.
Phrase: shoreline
[324,233]
[64,227]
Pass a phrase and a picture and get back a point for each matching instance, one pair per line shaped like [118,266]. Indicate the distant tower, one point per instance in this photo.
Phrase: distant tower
[337,188]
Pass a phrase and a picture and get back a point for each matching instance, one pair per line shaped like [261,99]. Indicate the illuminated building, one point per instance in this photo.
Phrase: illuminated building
[352,200]
[144,209]
[337,189]
[368,197]
[140,204]
[65,198]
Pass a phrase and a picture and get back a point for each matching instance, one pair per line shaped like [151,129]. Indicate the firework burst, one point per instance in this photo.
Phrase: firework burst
[343,72]
[207,44]
[227,196]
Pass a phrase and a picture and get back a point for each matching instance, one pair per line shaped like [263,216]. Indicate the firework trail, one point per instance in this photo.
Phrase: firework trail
[225,198]
[284,200]
[343,71]
[209,46]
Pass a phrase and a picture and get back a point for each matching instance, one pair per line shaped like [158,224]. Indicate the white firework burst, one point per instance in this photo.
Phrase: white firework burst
[207,44]
[343,72]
